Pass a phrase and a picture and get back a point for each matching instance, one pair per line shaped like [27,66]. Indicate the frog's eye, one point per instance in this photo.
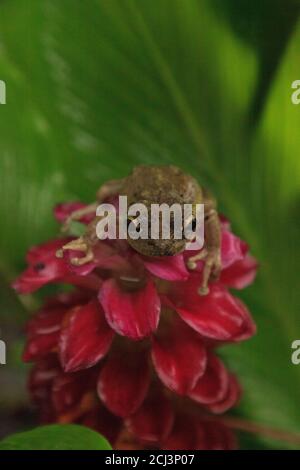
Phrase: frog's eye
[191,223]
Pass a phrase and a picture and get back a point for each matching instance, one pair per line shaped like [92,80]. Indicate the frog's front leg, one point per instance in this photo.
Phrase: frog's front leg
[108,189]
[80,244]
[211,253]
[86,242]
[77,215]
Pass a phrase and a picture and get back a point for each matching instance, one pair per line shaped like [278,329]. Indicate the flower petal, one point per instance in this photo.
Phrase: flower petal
[225,224]
[64,210]
[44,267]
[39,346]
[179,357]
[85,339]
[104,422]
[218,436]
[240,274]
[80,270]
[185,435]
[109,255]
[41,378]
[43,333]
[123,382]
[170,268]
[232,249]
[154,419]
[44,251]
[213,385]
[230,400]
[217,315]
[133,314]
[67,299]
[68,389]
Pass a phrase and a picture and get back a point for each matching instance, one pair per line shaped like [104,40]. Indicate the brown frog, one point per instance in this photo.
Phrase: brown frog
[149,185]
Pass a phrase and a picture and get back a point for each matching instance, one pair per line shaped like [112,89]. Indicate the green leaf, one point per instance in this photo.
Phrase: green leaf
[56,437]
[256,23]
[98,87]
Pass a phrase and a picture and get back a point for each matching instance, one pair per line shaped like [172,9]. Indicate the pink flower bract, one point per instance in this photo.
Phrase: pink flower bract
[132,349]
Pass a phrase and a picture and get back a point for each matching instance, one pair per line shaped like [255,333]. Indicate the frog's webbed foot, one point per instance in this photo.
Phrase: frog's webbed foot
[192,261]
[212,267]
[77,215]
[80,244]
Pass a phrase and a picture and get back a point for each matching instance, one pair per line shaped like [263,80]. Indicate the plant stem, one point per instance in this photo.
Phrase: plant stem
[265,431]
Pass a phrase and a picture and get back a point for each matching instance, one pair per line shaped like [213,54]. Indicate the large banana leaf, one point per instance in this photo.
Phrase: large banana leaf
[96,87]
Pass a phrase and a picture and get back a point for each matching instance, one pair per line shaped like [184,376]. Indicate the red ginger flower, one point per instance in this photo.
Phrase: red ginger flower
[132,348]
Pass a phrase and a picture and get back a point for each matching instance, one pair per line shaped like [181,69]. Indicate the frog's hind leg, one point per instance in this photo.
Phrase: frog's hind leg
[192,261]
[211,253]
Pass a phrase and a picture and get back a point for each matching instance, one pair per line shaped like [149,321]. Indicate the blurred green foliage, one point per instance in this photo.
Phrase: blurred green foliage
[96,87]
[56,437]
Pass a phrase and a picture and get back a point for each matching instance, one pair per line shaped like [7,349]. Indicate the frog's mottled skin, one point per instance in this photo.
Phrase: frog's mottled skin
[158,185]
[161,184]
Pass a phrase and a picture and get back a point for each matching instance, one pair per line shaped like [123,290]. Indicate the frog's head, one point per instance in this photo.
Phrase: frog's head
[156,232]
